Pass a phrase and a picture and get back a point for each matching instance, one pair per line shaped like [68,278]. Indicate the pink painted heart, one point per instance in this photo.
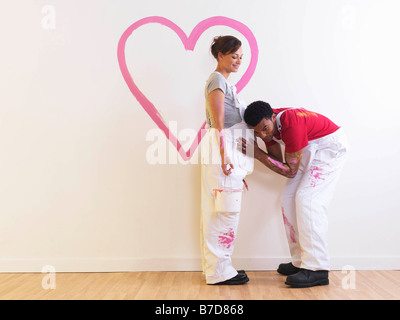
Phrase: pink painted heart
[189,44]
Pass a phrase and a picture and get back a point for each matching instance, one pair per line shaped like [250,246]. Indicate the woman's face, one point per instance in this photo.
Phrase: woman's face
[232,61]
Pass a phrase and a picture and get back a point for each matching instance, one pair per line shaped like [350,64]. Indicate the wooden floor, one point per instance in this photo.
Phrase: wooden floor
[191,286]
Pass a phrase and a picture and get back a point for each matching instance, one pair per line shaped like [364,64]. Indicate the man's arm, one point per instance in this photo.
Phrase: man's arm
[287,169]
[273,159]
[276,151]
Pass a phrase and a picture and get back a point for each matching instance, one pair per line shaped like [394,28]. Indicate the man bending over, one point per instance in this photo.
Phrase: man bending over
[314,153]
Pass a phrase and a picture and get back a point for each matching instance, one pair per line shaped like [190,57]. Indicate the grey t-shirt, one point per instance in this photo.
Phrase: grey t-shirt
[232,114]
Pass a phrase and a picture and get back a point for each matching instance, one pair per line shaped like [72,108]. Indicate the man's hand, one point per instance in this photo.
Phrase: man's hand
[249,147]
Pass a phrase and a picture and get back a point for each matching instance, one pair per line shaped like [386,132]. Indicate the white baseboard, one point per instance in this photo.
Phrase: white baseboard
[178,264]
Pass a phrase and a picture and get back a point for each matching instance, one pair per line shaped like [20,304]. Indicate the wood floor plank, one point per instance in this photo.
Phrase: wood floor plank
[267,285]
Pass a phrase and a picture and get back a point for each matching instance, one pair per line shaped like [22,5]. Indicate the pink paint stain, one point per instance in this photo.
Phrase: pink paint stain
[292,160]
[292,232]
[226,239]
[189,44]
[316,175]
[216,192]
[278,164]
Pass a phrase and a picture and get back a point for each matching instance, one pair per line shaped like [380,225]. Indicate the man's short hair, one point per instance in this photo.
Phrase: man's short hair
[257,111]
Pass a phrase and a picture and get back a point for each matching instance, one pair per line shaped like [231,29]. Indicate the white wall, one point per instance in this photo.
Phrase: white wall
[76,189]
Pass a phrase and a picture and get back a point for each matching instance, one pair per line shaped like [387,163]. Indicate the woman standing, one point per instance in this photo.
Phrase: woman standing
[223,111]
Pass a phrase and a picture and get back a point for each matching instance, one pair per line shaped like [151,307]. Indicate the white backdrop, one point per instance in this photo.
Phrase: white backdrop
[77,191]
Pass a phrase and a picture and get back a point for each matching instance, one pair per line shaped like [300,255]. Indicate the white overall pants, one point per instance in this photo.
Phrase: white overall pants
[306,198]
[218,230]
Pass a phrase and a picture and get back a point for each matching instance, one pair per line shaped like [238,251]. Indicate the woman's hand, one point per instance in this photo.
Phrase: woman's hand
[227,166]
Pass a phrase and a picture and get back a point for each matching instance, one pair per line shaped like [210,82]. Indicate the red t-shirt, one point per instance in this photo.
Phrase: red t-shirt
[300,126]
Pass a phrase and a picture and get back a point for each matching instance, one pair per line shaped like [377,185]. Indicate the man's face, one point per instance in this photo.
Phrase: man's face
[265,129]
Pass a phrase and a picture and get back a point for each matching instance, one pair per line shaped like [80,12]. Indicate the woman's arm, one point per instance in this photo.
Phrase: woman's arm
[217,105]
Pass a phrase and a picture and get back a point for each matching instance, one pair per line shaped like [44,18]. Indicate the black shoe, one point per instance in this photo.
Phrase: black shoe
[307,278]
[240,278]
[242,271]
[287,269]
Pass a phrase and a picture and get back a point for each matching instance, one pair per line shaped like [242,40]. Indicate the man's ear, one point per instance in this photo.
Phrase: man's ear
[273,118]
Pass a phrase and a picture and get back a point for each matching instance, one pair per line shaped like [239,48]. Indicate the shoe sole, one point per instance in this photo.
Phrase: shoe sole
[323,282]
[231,283]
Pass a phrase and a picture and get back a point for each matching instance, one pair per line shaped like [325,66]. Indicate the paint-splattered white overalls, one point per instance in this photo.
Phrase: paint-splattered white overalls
[306,198]
[219,229]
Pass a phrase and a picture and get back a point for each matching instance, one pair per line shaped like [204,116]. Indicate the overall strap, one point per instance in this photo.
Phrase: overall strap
[278,118]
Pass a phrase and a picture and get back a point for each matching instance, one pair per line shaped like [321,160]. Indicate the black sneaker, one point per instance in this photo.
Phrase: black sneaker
[239,279]
[307,278]
[287,269]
